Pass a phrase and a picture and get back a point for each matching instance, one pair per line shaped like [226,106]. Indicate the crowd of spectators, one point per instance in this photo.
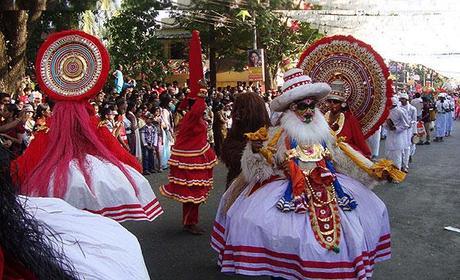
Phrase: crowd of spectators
[144,117]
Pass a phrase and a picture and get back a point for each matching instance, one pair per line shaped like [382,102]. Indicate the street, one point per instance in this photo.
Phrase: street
[419,210]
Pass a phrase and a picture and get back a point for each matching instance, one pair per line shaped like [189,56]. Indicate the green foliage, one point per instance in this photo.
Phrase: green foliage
[58,16]
[231,36]
[279,41]
[132,41]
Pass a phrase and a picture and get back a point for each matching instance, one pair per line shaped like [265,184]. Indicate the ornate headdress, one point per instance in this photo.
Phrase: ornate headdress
[72,66]
[338,92]
[363,72]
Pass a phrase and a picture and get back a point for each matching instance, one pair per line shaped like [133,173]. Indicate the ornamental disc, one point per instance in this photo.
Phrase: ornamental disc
[363,72]
[72,65]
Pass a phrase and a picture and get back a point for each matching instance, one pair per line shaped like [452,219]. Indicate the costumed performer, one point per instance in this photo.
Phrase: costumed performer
[248,115]
[74,158]
[294,212]
[361,92]
[341,120]
[457,106]
[192,158]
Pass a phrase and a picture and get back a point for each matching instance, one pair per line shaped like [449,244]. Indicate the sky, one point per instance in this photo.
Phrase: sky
[413,31]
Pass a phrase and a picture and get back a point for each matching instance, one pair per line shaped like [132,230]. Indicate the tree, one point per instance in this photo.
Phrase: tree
[132,41]
[23,20]
[227,31]
[13,39]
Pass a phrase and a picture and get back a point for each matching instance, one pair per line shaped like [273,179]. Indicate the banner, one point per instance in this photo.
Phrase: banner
[256,65]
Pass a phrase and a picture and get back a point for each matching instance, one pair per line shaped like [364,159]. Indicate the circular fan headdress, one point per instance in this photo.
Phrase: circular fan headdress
[72,65]
[363,72]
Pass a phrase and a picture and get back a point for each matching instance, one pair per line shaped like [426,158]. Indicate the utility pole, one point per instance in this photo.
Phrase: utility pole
[255,32]
[212,58]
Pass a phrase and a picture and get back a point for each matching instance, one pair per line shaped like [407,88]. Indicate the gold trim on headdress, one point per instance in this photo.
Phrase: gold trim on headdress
[338,91]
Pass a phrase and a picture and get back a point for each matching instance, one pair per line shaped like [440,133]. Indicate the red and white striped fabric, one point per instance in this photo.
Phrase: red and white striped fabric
[254,238]
[127,212]
[111,193]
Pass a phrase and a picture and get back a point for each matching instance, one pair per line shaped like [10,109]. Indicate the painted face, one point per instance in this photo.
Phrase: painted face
[304,109]
[334,106]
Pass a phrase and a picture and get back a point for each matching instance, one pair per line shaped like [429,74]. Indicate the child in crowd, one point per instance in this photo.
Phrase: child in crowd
[96,109]
[149,137]
[159,125]
[29,124]
[141,117]
[42,114]
[108,119]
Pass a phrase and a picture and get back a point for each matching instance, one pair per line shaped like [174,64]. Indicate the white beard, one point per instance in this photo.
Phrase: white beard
[315,132]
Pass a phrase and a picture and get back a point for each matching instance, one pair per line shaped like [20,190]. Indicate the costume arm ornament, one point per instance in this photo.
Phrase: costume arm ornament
[257,167]
[379,170]
[262,135]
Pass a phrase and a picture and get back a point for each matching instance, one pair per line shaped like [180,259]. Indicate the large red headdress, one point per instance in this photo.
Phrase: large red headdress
[195,64]
[195,68]
[71,67]
[362,71]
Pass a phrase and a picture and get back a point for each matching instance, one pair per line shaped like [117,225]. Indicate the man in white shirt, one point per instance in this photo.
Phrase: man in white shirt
[442,108]
[411,113]
[396,125]
[417,102]
[374,143]
[449,115]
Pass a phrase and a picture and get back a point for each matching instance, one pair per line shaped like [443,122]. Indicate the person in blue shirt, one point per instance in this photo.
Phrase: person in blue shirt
[118,79]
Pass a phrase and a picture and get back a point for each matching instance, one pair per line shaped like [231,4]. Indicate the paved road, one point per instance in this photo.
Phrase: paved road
[419,210]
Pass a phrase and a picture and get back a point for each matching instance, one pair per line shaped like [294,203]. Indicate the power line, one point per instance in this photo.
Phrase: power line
[362,13]
[432,54]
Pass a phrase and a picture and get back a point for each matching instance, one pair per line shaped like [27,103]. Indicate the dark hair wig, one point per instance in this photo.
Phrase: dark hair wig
[249,114]
[28,241]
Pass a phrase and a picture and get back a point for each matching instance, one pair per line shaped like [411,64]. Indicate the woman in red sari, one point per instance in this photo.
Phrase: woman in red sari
[341,120]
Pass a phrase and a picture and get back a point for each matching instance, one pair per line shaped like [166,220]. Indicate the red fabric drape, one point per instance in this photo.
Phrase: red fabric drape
[354,134]
[10,269]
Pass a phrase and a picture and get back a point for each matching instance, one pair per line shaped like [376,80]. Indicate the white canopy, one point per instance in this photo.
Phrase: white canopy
[413,31]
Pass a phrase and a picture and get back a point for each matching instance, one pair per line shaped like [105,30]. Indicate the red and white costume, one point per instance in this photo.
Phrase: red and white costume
[192,158]
[309,220]
[75,159]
